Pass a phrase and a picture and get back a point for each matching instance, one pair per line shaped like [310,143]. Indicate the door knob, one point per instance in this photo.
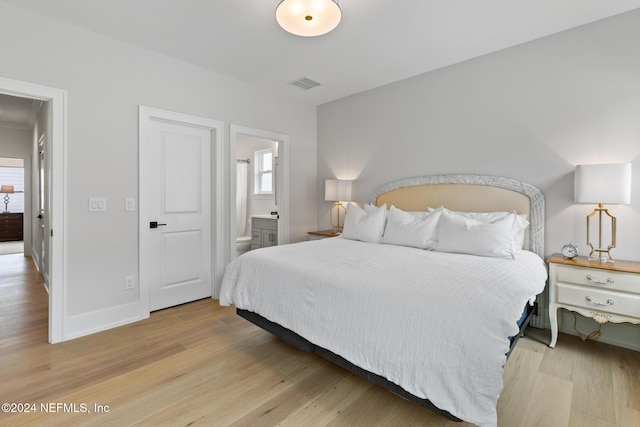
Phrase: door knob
[154,224]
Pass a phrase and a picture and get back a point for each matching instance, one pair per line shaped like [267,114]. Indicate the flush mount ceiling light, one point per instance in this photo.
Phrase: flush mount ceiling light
[308,18]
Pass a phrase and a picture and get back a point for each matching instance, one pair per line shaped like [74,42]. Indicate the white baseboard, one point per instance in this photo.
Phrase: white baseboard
[101,320]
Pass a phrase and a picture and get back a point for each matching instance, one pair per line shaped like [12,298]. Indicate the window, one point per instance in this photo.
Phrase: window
[263,172]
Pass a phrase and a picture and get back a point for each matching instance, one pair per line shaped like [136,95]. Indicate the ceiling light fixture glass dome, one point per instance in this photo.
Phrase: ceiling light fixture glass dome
[308,18]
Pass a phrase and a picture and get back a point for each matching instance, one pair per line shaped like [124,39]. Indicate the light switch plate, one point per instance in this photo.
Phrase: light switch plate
[97,204]
[129,204]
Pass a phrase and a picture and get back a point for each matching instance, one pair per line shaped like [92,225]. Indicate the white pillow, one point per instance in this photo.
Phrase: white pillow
[366,225]
[369,208]
[460,234]
[415,229]
[487,217]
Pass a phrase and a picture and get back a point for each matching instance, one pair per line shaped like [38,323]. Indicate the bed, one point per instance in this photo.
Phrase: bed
[421,319]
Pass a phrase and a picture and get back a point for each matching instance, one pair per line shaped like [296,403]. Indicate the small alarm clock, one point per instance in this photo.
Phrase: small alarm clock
[569,251]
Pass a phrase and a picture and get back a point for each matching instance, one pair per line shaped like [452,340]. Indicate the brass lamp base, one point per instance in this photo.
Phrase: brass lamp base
[337,227]
[601,252]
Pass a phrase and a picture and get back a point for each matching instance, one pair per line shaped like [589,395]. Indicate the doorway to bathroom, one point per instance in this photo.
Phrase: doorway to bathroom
[258,189]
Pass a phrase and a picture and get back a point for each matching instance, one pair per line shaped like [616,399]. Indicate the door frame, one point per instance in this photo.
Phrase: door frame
[145,116]
[282,183]
[57,195]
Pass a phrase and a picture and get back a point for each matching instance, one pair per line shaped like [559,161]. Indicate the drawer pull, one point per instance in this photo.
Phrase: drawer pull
[598,282]
[609,301]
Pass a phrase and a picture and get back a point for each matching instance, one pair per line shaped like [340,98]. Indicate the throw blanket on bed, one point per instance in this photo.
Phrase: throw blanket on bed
[437,324]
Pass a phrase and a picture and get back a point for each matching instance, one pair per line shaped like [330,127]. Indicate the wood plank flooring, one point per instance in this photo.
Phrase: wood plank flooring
[200,364]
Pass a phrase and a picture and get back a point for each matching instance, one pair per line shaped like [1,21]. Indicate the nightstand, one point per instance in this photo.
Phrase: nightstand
[606,292]
[322,234]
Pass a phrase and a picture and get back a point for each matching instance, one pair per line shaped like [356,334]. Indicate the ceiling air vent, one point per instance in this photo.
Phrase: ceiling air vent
[304,83]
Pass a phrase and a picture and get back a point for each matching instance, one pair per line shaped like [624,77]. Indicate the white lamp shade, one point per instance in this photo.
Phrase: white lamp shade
[337,190]
[603,183]
[308,18]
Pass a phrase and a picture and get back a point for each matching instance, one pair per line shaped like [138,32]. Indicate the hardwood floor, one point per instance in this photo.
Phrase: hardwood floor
[200,364]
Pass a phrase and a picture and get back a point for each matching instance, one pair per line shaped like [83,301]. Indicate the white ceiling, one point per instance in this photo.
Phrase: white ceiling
[18,113]
[377,42]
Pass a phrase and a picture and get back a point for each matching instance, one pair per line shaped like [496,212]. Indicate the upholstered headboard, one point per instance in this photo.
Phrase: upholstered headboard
[469,193]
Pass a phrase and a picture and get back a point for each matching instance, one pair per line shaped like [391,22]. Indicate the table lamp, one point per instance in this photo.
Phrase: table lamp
[338,191]
[602,183]
[6,189]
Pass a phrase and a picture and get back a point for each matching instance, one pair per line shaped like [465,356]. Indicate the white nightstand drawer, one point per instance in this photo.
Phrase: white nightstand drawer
[599,300]
[599,278]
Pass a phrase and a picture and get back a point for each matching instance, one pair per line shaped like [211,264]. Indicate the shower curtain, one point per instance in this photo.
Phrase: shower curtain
[242,184]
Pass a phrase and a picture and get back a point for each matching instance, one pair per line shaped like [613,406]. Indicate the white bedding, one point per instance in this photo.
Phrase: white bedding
[437,324]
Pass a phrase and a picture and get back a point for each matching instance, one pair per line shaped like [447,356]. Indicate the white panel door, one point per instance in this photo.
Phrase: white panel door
[176,243]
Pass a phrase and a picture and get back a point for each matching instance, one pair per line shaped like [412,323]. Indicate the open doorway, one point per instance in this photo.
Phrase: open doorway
[259,195]
[256,206]
[47,106]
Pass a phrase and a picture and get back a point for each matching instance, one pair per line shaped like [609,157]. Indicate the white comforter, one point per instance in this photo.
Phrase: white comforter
[436,324]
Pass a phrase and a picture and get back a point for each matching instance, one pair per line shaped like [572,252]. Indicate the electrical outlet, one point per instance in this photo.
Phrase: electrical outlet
[129,282]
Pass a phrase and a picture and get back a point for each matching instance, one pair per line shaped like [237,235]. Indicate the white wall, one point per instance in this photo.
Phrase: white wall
[531,112]
[15,143]
[106,81]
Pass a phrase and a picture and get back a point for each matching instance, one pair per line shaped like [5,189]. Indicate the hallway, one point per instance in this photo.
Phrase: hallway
[23,304]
